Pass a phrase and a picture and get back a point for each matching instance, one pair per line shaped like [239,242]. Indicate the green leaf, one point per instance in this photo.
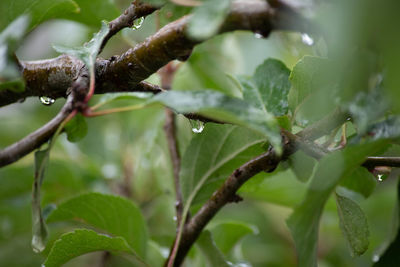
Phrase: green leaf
[313,89]
[220,107]
[88,52]
[82,241]
[302,165]
[269,87]
[228,234]
[116,215]
[210,250]
[306,77]
[354,225]
[304,221]
[87,12]
[10,75]
[281,188]
[39,228]
[76,128]
[207,19]
[360,181]
[39,11]
[108,98]
[93,12]
[208,152]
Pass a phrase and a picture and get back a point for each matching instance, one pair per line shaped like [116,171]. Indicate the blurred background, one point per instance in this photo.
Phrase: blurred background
[127,154]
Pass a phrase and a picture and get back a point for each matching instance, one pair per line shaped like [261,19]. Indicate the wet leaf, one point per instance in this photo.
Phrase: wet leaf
[269,87]
[220,107]
[88,52]
[116,215]
[304,221]
[202,164]
[354,225]
[82,241]
[108,98]
[39,228]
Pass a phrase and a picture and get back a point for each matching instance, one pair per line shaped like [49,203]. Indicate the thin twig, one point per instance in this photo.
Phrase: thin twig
[382,161]
[167,74]
[34,140]
[126,19]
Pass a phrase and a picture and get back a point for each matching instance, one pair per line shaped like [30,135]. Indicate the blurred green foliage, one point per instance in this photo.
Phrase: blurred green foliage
[352,63]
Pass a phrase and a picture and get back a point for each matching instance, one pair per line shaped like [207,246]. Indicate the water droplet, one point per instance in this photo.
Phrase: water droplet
[38,243]
[375,258]
[380,177]
[46,100]
[306,39]
[138,23]
[175,218]
[197,126]
[258,35]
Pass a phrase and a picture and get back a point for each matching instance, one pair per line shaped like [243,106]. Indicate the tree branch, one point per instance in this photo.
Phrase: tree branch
[167,74]
[125,20]
[53,77]
[268,162]
[34,140]
[265,162]
[372,162]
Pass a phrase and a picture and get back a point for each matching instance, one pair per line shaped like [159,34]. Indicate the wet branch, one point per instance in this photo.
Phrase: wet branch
[136,10]
[34,140]
[267,162]
[125,73]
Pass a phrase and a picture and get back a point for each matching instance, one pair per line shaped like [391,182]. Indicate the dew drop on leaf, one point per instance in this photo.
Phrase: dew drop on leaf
[197,126]
[46,100]
[306,39]
[138,23]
